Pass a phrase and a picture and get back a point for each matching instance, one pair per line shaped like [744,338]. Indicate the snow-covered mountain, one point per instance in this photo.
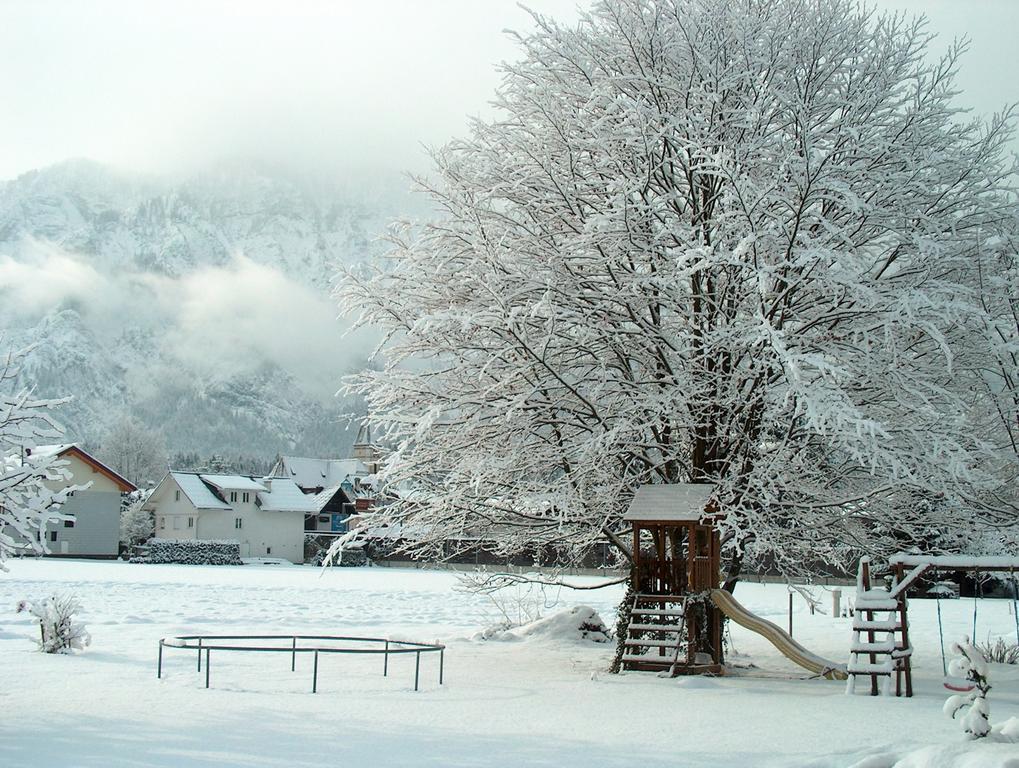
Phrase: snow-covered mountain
[200,305]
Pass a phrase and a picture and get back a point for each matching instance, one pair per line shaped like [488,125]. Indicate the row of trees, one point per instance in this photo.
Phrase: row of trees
[756,244]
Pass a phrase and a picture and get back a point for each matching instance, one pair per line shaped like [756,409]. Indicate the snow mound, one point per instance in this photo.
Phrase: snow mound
[572,624]
[996,751]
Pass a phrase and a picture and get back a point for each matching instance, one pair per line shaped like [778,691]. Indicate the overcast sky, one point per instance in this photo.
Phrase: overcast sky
[349,83]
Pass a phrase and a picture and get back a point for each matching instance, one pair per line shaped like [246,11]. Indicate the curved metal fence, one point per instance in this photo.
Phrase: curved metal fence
[295,644]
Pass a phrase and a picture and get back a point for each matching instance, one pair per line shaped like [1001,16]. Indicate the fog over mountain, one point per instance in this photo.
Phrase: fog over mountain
[199,305]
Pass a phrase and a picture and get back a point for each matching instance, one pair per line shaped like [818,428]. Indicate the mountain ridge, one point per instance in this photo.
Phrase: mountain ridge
[200,306]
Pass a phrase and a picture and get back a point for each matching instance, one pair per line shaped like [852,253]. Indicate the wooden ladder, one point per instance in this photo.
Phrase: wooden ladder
[880,647]
[656,633]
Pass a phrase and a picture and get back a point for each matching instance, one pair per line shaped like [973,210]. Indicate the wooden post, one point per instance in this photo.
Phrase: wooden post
[903,665]
[869,616]
[790,614]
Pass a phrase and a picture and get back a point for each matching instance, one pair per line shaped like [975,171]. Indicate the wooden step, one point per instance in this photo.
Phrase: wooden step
[660,598]
[886,646]
[656,612]
[875,625]
[861,668]
[642,642]
[665,661]
[877,605]
[671,628]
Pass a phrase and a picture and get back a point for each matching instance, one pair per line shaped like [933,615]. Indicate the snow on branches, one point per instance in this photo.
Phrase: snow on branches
[756,244]
[970,708]
[27,504]
[58,630]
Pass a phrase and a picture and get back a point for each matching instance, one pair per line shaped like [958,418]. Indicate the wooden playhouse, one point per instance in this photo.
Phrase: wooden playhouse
[673,625]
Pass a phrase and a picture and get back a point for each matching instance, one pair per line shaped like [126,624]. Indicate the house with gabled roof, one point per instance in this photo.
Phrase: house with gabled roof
[265,515]
[94,530]
[339,488]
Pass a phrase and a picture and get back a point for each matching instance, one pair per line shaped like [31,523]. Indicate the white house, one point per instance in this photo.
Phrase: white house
[265,515]
[95,529]
[339,488]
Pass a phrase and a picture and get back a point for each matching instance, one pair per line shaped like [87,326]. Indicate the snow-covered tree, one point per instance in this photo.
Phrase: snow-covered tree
[27,503]
[137,525]
[704,241]
[970,709]
[138,453]
[59,632]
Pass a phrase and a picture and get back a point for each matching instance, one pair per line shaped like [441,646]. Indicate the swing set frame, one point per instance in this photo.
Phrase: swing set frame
[921,564]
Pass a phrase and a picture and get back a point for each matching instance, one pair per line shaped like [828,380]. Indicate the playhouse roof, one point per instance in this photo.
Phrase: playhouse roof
[679,502]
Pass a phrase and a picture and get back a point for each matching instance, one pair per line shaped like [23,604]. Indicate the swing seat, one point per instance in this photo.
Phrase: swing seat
[958,685]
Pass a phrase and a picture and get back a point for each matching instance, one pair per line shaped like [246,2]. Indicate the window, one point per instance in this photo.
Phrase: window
[233,495]
[176,495]
[177,523]
[238,522]
[191,522]
[244,498]
[68,523]
[268,550]
[53,535]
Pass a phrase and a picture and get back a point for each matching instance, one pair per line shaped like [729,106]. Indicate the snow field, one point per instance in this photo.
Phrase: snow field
[532,701]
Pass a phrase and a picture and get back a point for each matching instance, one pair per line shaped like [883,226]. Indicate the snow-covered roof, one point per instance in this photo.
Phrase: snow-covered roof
[320,473]
[324,497]
[52,450]
[679,502]
[60,449]
[198,492]
[284,496]
[233,482]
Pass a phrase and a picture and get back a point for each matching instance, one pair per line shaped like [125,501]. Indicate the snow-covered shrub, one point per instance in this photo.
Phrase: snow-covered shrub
[971,709]
[194,552]
[58,630]
[1000,651]
[137,525]
[317,550]
[571,624]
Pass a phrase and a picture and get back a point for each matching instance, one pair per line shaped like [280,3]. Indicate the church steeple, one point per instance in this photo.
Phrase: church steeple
[364,449]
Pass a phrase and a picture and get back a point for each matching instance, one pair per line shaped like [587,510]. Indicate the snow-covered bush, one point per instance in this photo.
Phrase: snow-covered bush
[571,624]
[1000,651]
[193,552]
[58,630]
[137,525]
[971,708]
[317,548]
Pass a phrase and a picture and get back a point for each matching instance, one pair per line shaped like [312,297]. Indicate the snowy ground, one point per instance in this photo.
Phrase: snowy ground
[534,702]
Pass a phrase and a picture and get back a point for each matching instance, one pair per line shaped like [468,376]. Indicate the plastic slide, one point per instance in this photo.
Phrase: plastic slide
[776,636]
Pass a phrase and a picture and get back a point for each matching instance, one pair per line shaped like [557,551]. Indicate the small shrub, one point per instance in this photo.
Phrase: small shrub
[1000,651]
[970,708]
[58,631]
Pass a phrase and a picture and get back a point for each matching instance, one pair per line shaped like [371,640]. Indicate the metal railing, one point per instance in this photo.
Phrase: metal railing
[208,643]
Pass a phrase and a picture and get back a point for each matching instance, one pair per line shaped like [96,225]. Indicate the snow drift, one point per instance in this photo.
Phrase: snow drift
[581,623]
